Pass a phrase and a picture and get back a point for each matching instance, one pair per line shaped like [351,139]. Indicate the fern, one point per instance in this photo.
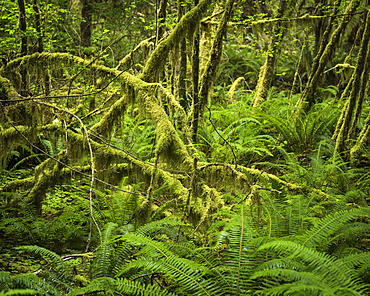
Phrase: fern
[327,226]
[239,255]
[28,281]
[308,269]
[106,252]
[18,292]
[112,286]
[333,272]
[58,272]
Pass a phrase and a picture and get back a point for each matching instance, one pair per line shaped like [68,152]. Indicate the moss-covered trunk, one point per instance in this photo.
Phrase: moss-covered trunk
[195,77]
[183,62]
[86,23]
[267,70]
[24,46]
[210,72]
[161,15]
[325,53]
[359,77]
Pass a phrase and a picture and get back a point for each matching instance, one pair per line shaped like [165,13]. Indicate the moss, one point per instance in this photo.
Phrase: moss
[18,185]
[160,55]
[7,91]
[111,118]
[237,83]
[347,114]
[324,55]
[210,72]
[242,177]
[146,46]
[38,191]
[10,138]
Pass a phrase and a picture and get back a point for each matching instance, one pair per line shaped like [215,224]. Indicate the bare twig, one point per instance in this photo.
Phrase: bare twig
[92,165]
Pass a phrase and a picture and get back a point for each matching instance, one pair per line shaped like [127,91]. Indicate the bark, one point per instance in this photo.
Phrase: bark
[24,44]
[323,57]
[362,143]
[358,77]
[267,70]
[86,24]
[210,71]
[23,27]
[160,55]
[195,77]
[161,17]
[40,41]
[183,63]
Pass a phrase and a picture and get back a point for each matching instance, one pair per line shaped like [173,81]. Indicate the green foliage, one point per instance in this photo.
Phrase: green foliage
[282,213]
[18,292]
[28,281]
[296,131]
[234,130]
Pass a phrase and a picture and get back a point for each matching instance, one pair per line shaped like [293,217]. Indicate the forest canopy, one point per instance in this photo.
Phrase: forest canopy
[184,147]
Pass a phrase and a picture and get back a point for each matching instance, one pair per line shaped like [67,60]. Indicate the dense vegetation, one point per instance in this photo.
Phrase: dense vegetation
[184,148]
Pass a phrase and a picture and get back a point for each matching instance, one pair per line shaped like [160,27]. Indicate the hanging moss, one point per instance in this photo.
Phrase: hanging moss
[237,83]
[46,180]
[8,139]
[115,115]
[362,143]
[210,72]
[146,46]
[160,55]
[242,176]
[169,149]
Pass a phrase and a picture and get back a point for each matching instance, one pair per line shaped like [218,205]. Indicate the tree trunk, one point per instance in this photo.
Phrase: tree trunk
[86,23]
[183,63]
[24,50]
[161,19]
[267,70]
[210,71]
[40,41]
[358,77]
[195,76]
[308,97]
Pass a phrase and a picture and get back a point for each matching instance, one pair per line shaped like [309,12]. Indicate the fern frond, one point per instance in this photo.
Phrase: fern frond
[135,288]
[29,281]
[239,255]
[17,292]
[59,274]
[186,273]
[334,271]
[190,251]
[291,289]
[112,286]
[327,226]
[150,247]
[45,253]
[308,278]
[106,251]
[356,259]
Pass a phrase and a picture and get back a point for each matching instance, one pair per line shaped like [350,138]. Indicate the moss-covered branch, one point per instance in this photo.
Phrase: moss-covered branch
[160,54]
